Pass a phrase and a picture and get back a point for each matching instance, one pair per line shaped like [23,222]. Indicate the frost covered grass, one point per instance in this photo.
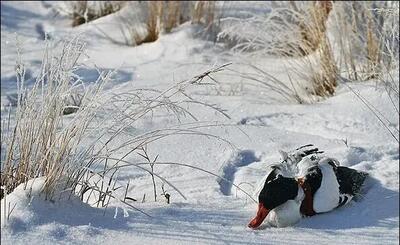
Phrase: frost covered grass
[36,140]
[375,45]
[299,34]
[372,41]
[312,33]
[39,141]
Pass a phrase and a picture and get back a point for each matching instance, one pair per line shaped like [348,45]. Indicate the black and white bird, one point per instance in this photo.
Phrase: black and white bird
[304,184]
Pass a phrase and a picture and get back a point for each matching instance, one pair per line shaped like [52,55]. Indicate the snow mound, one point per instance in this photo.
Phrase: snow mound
[30,209]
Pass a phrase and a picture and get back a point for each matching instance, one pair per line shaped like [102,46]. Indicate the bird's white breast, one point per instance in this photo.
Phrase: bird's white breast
[327,196]
[288,213]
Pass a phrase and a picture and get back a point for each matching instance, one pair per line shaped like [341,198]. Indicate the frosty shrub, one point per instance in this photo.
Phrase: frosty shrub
[324,40]
[372,37]
[37,141]
[295,30]
[371,51]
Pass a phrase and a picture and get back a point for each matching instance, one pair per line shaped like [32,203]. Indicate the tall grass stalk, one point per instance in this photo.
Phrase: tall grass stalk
[40,142]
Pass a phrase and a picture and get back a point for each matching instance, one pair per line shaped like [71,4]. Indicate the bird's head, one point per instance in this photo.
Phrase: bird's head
[275,192]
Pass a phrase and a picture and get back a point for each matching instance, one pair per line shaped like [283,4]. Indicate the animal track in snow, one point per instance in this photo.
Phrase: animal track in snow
[39,28]
[238,159]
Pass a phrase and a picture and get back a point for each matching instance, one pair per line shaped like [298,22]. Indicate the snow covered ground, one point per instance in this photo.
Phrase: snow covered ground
[214,212]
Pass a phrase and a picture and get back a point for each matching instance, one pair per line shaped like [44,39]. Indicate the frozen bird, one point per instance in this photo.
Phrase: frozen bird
[304,184]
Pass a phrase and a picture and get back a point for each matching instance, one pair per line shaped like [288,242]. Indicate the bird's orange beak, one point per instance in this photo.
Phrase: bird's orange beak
[261,215]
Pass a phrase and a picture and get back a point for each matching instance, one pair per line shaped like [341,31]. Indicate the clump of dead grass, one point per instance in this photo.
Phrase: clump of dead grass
[323,40]
[37,142]
[368,42]
[173,15]
[85,11]
[153,22]
[160,16]
[318,65]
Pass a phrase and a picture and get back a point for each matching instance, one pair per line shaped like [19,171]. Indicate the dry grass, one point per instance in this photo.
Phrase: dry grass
[164,16]
[296,31]
[37,142]
[204,13]
[312,29]
[381,61]
[198,11]
[153,22]
[320,67]
[323,40]
[361,34]
[369,30]
[173,15]
[85,11]
[324,82]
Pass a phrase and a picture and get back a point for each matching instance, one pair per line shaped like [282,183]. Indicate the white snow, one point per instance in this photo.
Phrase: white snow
[214,211]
